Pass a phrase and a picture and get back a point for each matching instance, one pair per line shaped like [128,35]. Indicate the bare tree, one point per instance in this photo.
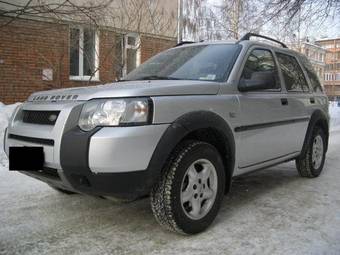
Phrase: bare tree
[139,17]
[225,19]
[318,9]
[238,17]
[294,19]
[56,9]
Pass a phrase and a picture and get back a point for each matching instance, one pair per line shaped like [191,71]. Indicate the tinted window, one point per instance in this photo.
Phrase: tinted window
[292,73]
[311,74]
[74,51]
[89,52]
[201,62]
[260,61]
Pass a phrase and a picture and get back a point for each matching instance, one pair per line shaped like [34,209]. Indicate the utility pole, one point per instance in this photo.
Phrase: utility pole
[179,21]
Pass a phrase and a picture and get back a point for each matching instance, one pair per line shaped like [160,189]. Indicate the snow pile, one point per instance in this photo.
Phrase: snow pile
[334,111]
[5,113]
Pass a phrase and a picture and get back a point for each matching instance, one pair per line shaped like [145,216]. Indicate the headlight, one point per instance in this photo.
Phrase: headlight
[115,112]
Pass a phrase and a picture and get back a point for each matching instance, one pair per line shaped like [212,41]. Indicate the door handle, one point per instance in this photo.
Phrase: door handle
[284,101]
[312,100]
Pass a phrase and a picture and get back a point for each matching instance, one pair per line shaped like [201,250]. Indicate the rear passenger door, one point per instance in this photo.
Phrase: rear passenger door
[299,95]
[267,130]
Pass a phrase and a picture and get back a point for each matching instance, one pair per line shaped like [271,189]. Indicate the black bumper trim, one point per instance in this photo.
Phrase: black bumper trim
[31,139]
[47,172]
[74,152]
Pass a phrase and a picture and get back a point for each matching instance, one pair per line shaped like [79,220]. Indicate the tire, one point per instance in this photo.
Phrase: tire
[64,191]
[306,164]
[169,196]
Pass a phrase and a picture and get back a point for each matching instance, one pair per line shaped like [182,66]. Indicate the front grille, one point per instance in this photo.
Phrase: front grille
[40,117]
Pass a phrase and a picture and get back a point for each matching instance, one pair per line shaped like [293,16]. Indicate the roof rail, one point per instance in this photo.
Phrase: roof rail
[183,42]
[247,36]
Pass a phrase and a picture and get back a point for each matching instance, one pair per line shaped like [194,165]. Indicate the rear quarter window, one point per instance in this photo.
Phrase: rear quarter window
[314,79]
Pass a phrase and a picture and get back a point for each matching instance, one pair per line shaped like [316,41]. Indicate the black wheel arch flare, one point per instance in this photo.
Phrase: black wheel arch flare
[184,126]
[317,118]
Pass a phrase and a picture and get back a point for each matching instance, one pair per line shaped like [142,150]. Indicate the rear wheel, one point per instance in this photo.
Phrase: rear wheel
[189,194]
[310,164]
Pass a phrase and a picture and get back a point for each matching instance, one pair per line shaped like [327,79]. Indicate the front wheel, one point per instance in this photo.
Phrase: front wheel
[190,192]
[310,163]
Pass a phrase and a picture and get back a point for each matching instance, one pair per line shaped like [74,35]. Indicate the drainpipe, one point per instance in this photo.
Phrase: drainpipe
[179,21]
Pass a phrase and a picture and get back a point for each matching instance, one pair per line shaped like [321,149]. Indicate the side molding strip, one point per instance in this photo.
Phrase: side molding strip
[269,124]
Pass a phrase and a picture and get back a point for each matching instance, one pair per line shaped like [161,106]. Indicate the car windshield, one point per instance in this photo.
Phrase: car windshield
[201,62]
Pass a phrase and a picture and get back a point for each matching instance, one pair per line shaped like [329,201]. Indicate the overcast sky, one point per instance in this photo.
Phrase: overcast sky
[329,28]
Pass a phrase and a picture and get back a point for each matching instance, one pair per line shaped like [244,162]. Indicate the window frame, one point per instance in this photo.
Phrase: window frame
[310,90]
[136,47]
[81,76]
[249,51]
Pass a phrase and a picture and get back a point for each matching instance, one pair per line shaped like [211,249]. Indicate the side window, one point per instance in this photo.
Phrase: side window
[292,73]
[311,74]
[260,61]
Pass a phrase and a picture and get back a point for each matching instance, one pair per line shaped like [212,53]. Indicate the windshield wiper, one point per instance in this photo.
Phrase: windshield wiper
[156,77]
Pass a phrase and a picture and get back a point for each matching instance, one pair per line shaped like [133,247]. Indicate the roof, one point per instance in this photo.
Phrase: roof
[314,45]
[328,39]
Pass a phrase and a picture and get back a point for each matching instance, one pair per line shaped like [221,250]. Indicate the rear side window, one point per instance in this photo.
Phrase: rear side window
[292,73]
[311,74]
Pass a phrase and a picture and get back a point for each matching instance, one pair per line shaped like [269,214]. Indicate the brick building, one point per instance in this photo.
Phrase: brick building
[316,56]
[332,67]
[41,54]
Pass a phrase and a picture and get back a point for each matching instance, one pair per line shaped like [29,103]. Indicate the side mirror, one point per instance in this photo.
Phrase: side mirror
[258,81]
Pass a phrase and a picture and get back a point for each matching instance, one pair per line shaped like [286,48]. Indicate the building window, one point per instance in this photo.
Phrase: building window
[320,57]
[128,53]
[84,45]
[307,52]
[131,52]
[332,76]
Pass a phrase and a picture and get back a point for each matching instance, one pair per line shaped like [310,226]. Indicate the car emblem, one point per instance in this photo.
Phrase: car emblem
[52,117]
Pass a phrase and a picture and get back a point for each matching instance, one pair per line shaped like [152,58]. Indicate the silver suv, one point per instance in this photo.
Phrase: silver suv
[179,127]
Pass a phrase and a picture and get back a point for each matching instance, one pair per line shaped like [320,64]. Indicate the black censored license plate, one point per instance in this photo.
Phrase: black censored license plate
[26,158]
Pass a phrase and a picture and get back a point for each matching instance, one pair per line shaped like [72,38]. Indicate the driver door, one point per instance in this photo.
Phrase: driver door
[264,131]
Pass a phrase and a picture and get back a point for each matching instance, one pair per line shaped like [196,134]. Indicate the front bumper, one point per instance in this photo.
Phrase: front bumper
[109,161]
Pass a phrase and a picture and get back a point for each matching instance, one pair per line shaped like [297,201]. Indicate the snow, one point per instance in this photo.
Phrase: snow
[334,111]
[273,211]
[5,113]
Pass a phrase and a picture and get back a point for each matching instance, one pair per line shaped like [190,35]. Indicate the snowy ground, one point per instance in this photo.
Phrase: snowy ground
[273,211]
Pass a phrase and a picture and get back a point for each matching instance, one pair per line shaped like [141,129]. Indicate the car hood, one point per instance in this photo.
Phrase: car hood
[130,89]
